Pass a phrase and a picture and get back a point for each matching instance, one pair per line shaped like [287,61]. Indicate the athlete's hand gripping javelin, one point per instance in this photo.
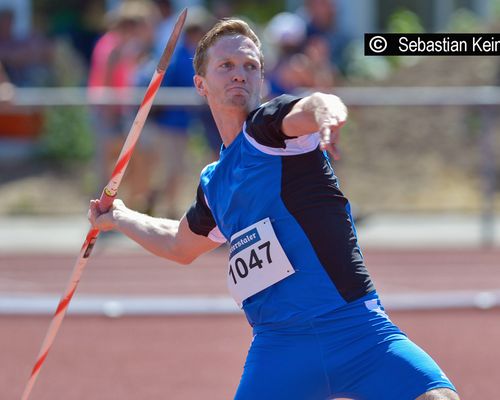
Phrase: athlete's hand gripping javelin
[105,221]
[319,112]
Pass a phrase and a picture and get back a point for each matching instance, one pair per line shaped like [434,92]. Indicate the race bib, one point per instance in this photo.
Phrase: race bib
[256,261]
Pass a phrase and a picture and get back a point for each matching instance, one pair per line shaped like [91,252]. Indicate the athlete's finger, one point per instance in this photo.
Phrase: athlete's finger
[335,142]
[334,133]
[332,145]
[92,214]
[325,136]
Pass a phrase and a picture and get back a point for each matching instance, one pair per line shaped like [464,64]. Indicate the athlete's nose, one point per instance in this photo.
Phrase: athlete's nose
[239,75]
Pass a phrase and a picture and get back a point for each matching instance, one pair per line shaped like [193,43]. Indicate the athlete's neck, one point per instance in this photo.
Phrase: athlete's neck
[229,126]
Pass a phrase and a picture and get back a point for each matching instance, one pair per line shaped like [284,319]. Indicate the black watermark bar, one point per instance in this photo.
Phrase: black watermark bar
[432,44]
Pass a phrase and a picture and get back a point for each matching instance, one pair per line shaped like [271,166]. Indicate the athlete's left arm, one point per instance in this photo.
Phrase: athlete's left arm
[321,112]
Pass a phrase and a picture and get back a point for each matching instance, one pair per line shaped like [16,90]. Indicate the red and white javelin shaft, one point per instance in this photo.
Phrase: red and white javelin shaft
[106,200]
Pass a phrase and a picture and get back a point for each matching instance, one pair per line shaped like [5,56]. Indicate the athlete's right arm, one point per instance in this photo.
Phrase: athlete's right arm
[166,238]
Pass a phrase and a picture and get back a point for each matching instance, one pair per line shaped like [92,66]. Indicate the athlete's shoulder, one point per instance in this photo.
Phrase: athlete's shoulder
[208,171]
[264,123]
[277,102]
[200,218]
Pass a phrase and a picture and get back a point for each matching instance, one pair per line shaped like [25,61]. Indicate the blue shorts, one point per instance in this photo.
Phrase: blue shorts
[354,352]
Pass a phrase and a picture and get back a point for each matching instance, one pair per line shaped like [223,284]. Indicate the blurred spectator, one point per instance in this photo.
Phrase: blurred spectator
[299,62]
[288,70]
[7,89]
[69,66]
[170,125]
[222,9]
[79,23]
[27,61]
[321,20]
[318,53]
[115,59]
[20,66]
[15,122]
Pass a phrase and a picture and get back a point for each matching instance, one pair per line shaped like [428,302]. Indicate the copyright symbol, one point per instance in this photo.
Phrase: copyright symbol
[377,44]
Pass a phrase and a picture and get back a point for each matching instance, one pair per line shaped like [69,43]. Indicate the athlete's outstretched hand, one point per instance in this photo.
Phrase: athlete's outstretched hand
[318,112]
[331,117]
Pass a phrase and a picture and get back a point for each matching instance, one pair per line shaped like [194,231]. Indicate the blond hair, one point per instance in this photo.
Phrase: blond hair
[225,27]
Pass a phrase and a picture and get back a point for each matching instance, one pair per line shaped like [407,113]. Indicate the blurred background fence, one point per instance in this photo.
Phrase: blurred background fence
[422,136]
[465,128]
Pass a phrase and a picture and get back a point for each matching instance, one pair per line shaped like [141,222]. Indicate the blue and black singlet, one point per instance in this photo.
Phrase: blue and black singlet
[264,173]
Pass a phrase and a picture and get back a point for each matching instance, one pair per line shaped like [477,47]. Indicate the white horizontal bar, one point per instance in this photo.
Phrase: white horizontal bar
[116,306]
[185,96]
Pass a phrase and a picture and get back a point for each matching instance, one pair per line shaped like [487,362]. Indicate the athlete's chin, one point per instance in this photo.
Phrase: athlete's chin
[238,102]
[243,102]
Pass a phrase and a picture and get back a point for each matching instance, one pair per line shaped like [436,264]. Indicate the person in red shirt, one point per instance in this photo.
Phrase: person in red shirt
[114,62]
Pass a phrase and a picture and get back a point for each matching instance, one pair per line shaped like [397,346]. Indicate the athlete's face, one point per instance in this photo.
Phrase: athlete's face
[233,77]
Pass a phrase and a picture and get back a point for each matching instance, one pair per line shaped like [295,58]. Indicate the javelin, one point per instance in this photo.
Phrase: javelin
[106,200]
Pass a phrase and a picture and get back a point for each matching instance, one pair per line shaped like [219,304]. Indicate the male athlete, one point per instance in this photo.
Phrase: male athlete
[295,267]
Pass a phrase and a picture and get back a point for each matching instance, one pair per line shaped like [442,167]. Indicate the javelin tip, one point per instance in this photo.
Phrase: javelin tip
[172,41]
[183,14]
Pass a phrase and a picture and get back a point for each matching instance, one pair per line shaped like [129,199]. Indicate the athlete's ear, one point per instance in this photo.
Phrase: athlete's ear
[199,84]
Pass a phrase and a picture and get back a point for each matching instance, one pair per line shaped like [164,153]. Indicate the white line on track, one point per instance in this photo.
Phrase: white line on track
[117,306]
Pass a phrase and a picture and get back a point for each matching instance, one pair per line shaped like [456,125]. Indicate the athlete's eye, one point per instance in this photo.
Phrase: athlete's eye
[226,65]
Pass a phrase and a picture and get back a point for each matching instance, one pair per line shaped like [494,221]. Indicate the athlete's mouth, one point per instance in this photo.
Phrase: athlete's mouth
[237,88]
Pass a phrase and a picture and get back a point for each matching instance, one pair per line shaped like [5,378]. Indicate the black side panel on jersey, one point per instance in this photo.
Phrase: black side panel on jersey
[264,123]
[317,204]
[199,216]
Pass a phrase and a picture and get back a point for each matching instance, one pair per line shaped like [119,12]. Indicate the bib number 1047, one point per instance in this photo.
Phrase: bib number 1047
[257,260]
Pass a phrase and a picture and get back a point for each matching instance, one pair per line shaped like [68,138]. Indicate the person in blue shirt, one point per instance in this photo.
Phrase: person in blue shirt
[295,267]
[171,125]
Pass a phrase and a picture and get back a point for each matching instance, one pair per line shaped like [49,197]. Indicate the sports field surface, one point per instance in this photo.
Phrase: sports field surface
[446,300]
